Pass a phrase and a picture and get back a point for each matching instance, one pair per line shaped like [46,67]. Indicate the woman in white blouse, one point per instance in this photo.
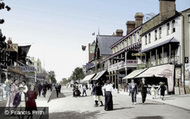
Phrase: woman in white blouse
[108,96]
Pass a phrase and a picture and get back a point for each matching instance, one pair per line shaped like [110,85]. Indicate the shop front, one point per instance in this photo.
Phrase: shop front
[162,73]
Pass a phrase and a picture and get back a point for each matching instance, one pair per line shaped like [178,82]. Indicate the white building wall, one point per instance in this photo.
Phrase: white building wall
[177,35]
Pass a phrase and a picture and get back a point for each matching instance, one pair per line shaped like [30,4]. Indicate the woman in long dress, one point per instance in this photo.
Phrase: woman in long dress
[31,103]
[13,92]
[108,96]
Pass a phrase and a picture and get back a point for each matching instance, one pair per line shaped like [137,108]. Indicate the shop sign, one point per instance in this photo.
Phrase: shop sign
[40,75]
[12,47]
[116,66]
[131,63]
[138,54]
[27,69]
[181,90]
[141,66]
[186,59]
[89,65]
[187,90]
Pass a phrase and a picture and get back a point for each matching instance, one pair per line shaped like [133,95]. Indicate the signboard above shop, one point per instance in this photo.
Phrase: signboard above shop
[138,54]
[27,68]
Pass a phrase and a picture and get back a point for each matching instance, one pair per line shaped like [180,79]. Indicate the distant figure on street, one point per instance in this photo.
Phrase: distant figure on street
[108,96]
[31,103]
[57,89]
[84,90]
[133,91]
[97,92]
[39,89]
[44,89]
[35,87]
[162,89]
[143,88]
[153,92]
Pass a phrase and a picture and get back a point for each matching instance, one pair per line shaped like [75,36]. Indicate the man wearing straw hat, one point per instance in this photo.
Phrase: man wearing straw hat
[20,98]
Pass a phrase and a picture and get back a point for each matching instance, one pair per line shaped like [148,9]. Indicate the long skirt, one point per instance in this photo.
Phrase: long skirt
[108,101]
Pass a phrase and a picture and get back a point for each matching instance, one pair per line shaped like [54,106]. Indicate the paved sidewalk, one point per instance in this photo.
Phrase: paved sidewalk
[42,101]
[180,101]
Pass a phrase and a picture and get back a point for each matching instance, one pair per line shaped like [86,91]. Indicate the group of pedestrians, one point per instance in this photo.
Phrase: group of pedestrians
[98,93]
[21,98]
[133,90]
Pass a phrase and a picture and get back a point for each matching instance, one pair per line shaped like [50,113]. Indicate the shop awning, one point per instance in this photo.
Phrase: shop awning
[172,40]
[15,70]
[87,78]
[99,74]
[166,71]
[135,73]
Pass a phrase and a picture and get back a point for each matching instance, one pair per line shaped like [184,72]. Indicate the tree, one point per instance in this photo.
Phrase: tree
[2,38]
[77,74]
[3,6]
[64,81]
[51,75]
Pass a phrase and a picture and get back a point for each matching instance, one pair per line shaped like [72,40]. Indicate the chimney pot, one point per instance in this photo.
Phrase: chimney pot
[130,26]
[138,19]
[167,9]
[119,32]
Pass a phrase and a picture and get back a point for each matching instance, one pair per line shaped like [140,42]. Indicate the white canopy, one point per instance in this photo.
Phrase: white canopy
[99,74]
[134,73]
[88,77]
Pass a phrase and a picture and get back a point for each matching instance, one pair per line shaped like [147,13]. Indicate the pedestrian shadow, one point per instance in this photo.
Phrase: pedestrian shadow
[115,104]
[54,96]
[147,103]
[149,117]
[121,108]
[169,98]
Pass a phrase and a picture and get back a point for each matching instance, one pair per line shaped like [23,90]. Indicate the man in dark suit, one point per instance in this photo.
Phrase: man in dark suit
[143,88]
[57,88]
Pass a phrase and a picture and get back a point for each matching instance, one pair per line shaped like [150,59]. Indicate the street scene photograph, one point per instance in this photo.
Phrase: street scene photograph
[94,59]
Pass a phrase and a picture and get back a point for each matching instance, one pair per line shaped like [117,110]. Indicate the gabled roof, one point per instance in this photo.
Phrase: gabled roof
[123,38]
[104,42]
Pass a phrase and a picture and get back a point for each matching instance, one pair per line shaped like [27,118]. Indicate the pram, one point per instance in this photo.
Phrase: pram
[76,92]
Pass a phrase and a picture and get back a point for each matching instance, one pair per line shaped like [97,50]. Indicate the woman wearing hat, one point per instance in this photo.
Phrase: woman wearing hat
[13,91]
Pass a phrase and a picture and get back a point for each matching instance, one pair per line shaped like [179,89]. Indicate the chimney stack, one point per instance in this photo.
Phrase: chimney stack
[167,9]
[119,32]
[138,19]
[130,26]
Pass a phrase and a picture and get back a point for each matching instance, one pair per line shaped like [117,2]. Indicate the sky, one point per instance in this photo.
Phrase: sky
[56,29]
